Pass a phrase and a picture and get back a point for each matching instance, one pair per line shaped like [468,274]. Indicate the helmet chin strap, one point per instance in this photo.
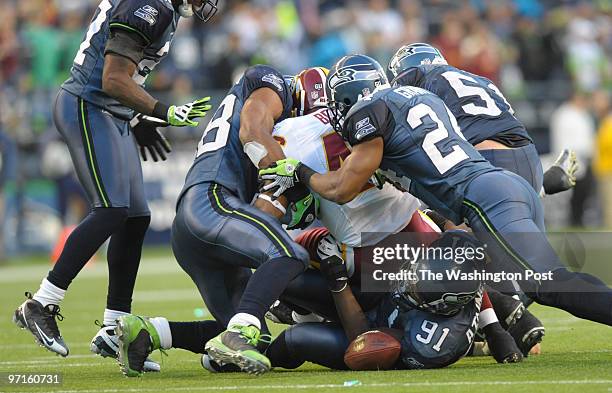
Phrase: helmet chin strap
[185,9]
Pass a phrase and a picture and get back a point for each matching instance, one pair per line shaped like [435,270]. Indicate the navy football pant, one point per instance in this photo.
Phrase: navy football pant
[217,239]
[524,161]
[505,213]
[320,343]
[107,163]
[104,154]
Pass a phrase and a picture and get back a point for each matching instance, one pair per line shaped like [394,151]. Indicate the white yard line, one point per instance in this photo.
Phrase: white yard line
[339,386]
[148,266]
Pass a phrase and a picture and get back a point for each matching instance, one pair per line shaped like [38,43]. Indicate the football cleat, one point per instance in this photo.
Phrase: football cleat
[215,367]
[527,331]
[238,346]
[40,321]
[106,344]
[281,313]
[501,344]
[137,338]
[561,176]
[525,328]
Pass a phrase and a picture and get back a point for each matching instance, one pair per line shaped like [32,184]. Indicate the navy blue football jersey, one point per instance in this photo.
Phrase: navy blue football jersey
[424,150]
[429,340]
[479,106]
[155,21]
[220,157]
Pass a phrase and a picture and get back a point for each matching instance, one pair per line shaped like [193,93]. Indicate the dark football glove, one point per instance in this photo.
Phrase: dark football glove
[561,176]
[149,138]
[332,264]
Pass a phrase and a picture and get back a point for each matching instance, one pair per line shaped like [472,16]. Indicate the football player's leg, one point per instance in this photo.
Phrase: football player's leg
[194,254]
[125,246]
[524,161]
[509,220]
[526,330]
[500,342]
[139,336]
[319,343]
[93,140]
[277,260]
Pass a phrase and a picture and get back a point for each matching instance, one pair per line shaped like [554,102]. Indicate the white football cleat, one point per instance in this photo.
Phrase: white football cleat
[105,344]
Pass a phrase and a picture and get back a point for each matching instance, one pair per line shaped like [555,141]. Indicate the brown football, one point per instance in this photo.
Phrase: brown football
[373,350]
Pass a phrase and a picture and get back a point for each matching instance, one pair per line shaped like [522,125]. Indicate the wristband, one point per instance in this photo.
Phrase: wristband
[274,202]
[304,173]
[160,110]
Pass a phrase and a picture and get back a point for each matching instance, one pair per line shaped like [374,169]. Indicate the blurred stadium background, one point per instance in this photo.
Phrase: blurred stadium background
[552,59]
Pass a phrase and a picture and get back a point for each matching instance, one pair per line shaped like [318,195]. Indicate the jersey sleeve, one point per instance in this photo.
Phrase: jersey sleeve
[367,122]
[149,19]
[411,77]
[259,76]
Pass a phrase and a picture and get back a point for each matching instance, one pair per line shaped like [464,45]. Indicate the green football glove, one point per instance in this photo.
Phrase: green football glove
[184,115]
[303,212]
[282,174]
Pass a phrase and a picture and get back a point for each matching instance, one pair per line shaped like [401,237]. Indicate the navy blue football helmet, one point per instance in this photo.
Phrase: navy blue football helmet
[414,55]
[351,78]
[448,256]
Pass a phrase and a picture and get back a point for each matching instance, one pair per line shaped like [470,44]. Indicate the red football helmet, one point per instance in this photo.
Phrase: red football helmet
[309,90]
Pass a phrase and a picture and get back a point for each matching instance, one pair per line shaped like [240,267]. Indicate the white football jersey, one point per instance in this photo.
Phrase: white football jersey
[368,218]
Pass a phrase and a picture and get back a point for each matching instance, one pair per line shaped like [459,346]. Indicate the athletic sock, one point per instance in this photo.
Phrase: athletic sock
[49,293]
[124,251]
[267,284]
[111,316]
[163,330]
[83,243]
[487,314]
[244,319]
[193,336]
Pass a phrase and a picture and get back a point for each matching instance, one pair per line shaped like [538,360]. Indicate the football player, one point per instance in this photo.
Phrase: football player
[124,42]
[218,236]
[435,325]
[367,219]
[484,115]
[413,138]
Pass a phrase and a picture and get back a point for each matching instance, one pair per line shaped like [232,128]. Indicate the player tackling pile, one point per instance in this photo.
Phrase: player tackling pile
[345,149]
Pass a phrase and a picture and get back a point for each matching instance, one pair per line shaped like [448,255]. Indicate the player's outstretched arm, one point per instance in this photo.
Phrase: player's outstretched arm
[343,185]
[117,82]
[124,50]
[332,266]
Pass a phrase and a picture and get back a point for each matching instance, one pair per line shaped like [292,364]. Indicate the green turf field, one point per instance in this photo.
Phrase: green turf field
[577,355]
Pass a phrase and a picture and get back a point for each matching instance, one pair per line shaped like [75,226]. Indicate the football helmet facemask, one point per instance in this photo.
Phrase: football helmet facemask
[448,295]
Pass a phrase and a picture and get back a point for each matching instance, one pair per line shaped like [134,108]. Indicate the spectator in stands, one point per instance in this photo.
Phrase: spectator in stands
[603,161]
[572,126]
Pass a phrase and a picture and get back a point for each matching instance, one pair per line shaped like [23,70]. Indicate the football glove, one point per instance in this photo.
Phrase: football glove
[282,174]
[378,179]
[149,138]
[184,115]
[561,176]
[332,264]
[302,212]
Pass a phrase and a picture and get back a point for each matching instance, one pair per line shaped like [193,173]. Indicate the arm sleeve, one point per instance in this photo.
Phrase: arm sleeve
[367,122]
[127,44]
[259,76]
[145,18]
